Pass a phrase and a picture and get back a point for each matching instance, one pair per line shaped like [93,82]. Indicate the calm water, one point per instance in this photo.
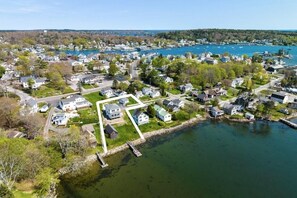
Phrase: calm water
[216,49]
[213,159]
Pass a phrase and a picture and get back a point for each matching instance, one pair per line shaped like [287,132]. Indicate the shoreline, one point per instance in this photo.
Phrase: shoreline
[93,158]
[148,135]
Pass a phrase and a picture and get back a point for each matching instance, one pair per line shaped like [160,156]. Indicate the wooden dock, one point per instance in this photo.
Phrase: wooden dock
[101,160]
[134,150]
[289,123]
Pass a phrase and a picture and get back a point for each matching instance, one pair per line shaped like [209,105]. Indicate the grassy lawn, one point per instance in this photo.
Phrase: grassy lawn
[174,91]
[231,93]
[20,194]
[45,91]
[145,98]
[89,115]
[94,97]
[126,132]
[156,124]
[86,116]
[131,101]
[86,86]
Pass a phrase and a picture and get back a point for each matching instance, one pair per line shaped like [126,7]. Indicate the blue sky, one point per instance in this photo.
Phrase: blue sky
[148,14]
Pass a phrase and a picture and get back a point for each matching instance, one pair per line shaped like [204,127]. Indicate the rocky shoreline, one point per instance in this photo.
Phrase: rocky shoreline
[93,158]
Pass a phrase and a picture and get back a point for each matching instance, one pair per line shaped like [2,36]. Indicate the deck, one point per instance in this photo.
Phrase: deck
[134,150]
[101,160]
[289,123]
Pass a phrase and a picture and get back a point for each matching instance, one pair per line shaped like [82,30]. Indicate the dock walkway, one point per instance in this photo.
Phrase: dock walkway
[134,150]
[101,160]
[289,123]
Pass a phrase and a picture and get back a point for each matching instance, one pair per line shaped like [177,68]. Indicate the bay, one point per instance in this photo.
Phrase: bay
[212,159]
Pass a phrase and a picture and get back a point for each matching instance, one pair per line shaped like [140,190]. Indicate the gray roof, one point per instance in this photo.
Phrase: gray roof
[111,107]
[109,129]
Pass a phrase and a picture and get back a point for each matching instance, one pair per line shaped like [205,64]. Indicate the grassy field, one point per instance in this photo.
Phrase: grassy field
[45,91]
[156,124]
[94,97]
[126,132]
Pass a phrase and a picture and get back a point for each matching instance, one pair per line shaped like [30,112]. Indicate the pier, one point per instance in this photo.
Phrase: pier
[134,150]
[289,123]
[101,160]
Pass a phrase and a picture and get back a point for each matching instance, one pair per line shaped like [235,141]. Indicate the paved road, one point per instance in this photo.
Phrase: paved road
[23,96]
[134,71]
[268,85]
[48,123]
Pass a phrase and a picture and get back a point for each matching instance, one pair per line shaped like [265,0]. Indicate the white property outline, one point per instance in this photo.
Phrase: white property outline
[140,105]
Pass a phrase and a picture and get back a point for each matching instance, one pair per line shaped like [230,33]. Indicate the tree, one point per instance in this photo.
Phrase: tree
[249,84]
[2,71]
[5,192]
[115,84]
[31,82]
[33,125]
[46,182]
[151,111]
[113,69]
[9,112]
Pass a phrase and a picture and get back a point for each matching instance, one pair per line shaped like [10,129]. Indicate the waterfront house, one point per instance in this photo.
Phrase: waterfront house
[230,109]
[249,116]
[203,98]
[36,82]
[279,97]
[162,114]
[111,132]
[185,88]
[124,101]
[293,105]
[216,112]
[140,118]
[211,61]
[107,92]
[237,82]
[174,105]
[225,59]
[112,111]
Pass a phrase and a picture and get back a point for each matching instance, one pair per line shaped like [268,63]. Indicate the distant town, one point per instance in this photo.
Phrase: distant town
[66,105]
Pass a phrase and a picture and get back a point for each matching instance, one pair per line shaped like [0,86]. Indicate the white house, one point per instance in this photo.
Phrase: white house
[74,102]
[279,97]
[60,119]
[107,92]
[31,106]
[186,87]
[36,82]
[237,82]
[155,94]
[112,111]
[146,91]
[162,114]
[140,117]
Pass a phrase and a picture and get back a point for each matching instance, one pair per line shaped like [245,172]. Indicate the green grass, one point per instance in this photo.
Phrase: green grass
[174,91]
[20,194]
[146,98]
[86,86]
[131,101]
[156,124]
[126,132]
[94,97]
[45,91]
[231,93]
